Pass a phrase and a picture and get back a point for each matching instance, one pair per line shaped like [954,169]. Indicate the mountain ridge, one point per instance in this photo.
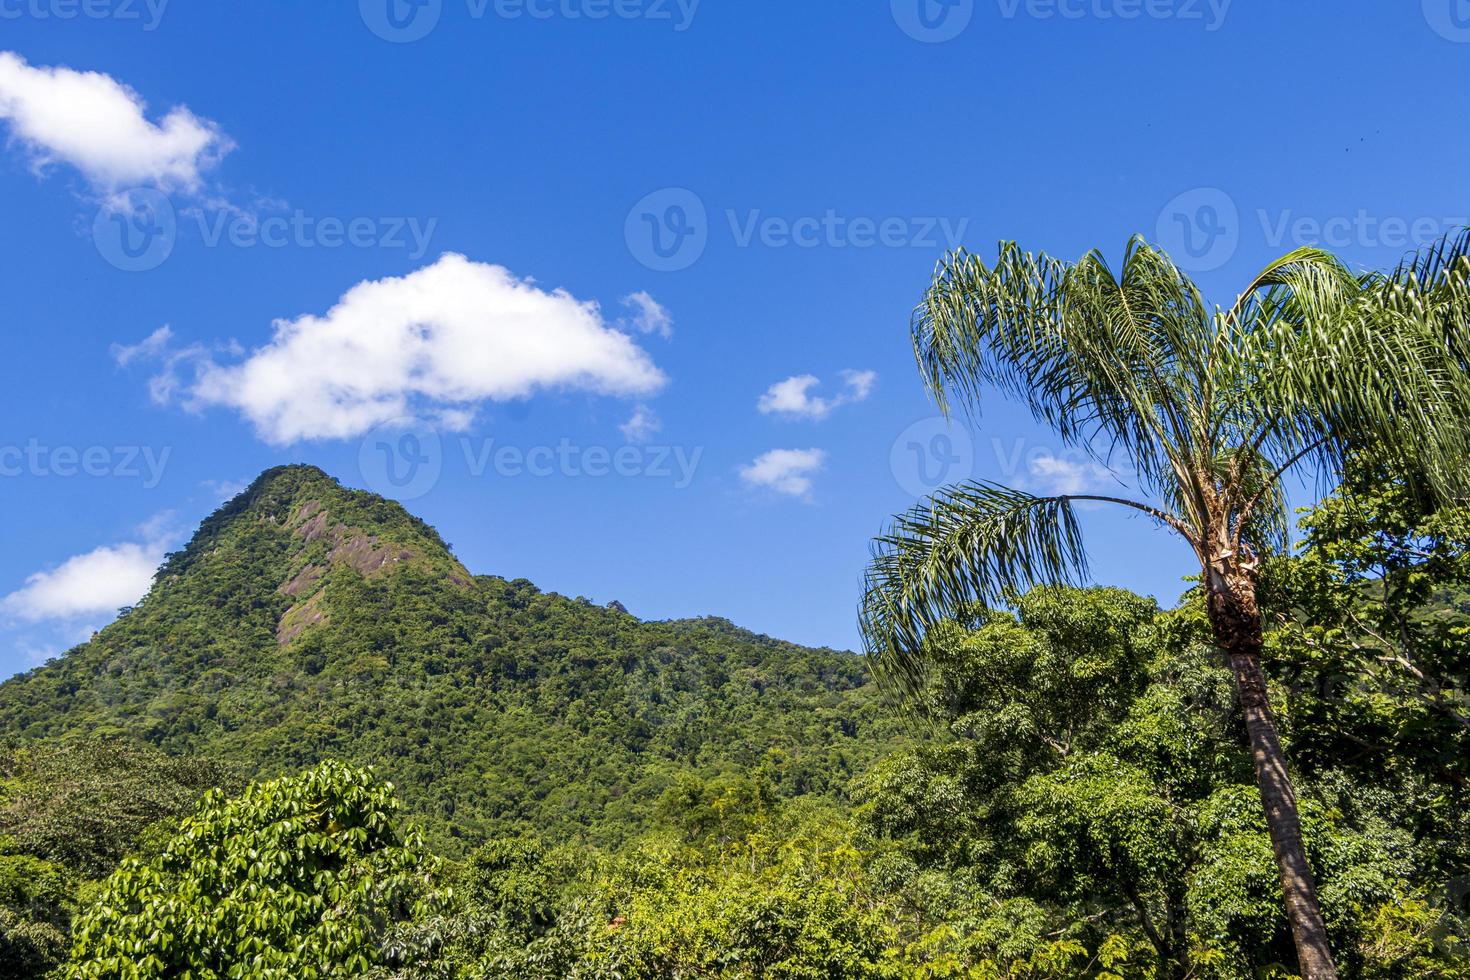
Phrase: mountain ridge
[306,620]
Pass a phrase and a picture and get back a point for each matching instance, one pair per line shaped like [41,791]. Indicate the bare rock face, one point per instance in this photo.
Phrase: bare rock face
[330,534]
[362,552]
[299,618]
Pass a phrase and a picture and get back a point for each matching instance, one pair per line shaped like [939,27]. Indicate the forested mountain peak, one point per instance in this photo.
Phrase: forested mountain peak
[308,621]
[306,516]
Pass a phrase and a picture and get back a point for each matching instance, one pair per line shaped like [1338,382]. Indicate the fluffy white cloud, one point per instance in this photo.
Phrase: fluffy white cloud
[101,581]
[787,471]
[793,397]
[435,343]
[1055,475]
[221,491]
[159,347]
[649,316]
[96,124]
[860,384]
[642,425]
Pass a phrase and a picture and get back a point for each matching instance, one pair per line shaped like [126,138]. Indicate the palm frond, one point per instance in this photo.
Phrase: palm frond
[1369,365]
[1437,279]
[1440,261]
[978,543]
[1109,360]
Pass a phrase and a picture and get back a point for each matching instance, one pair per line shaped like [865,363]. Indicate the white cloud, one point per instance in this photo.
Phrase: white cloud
[787,471]
[793,397]
[860,384]
[155,345]
[1055,475]
[642,425]
[435,343]
[649,316]
[101,581]
[222,491]
[158,346]
[98,125]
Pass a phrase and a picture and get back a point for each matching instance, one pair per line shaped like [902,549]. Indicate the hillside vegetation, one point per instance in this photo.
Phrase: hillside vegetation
[305,621]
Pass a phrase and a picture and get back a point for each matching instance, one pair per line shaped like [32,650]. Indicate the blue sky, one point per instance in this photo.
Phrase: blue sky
[666,254]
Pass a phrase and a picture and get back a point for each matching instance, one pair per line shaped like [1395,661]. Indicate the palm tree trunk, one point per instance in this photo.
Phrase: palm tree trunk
[1236,620]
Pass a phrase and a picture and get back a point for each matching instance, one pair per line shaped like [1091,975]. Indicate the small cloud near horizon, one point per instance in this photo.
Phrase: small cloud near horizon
[785,471]
[793,397]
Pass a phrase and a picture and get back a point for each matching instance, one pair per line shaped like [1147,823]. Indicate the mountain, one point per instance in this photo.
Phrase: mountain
[307,621]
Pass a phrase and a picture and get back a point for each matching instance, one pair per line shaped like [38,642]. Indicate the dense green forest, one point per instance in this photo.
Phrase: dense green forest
[532,787]
[322,748]
[306,621]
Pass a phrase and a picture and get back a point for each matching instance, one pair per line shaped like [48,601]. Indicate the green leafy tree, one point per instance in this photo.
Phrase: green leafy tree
[306,621]
[295,878]
[69,812]
[1089,779]
[1211,409]
[85,803]
[35,905]
[1372,624]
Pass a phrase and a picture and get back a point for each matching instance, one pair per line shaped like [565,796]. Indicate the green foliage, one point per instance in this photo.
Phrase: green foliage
[797,918]
[500,710]
[1091,769]
[295,878]
[1207,409]
[639,800]
[1373,645]
[84,804]
[69,811]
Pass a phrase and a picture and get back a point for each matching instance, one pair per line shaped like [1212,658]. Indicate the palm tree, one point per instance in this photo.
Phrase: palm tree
[1211,409]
